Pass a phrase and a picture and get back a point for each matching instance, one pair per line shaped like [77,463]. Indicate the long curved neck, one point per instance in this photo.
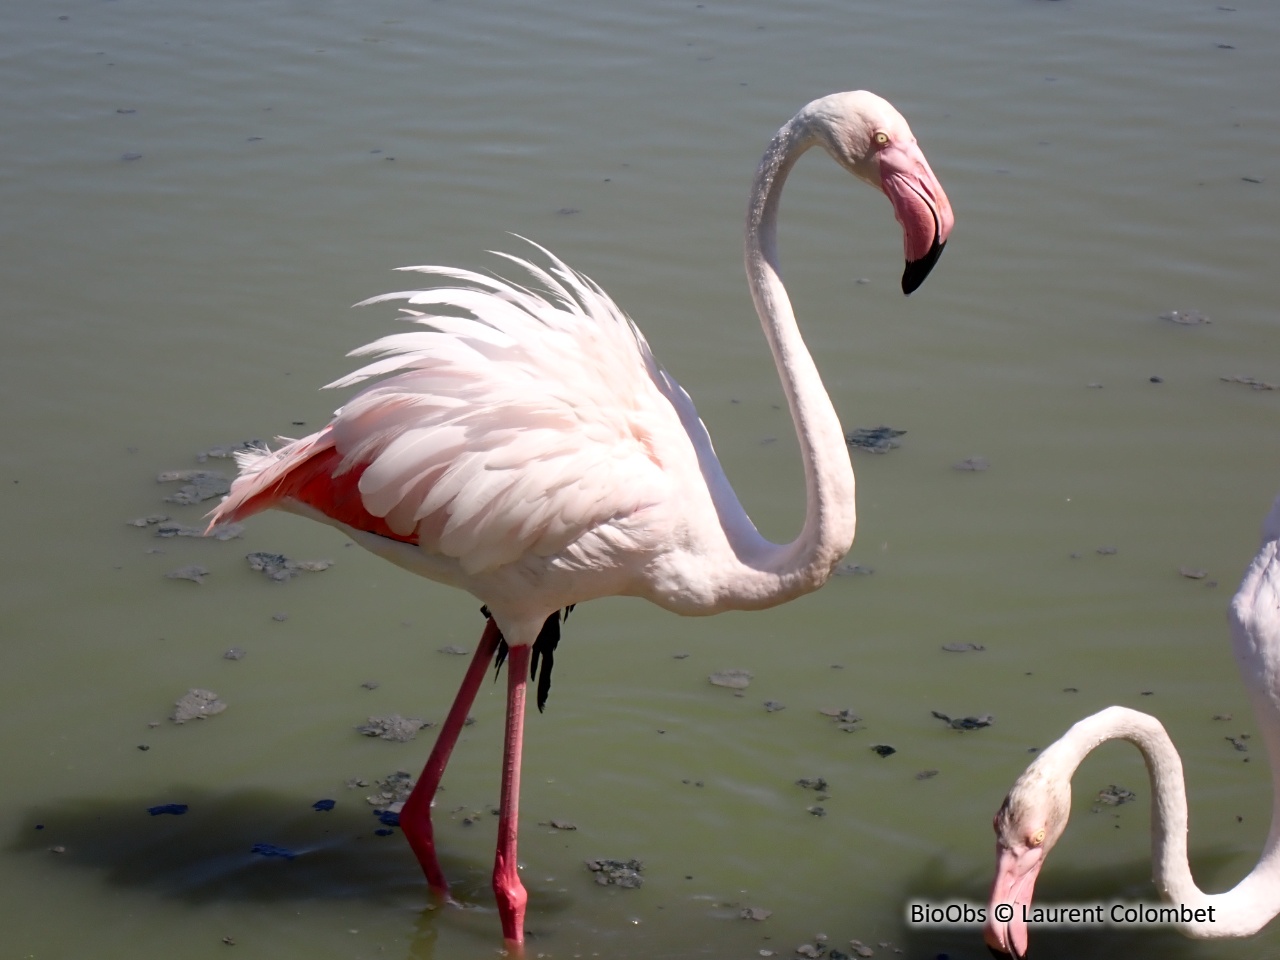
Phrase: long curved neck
[1248,906]
[830,517]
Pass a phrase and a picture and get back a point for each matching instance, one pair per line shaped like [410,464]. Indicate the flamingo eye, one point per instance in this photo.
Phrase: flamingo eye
[882,138]
[1036,838]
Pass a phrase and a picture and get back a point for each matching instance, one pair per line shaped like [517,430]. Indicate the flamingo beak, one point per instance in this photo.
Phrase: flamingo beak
[920,205]
[1006,935]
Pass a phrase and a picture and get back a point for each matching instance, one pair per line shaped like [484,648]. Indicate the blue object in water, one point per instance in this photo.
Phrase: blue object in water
[272,850]
[177,809]
[321,806]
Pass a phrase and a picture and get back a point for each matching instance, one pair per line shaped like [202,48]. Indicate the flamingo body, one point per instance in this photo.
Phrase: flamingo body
[525,446]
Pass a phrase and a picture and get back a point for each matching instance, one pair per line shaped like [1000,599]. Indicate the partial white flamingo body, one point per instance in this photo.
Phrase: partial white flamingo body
[1035,812]
[526,446]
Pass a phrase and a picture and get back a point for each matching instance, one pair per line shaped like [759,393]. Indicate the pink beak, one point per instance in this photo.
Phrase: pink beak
[921,206]
[1006,935]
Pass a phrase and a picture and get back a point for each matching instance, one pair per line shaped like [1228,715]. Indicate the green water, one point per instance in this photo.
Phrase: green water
[1108,162]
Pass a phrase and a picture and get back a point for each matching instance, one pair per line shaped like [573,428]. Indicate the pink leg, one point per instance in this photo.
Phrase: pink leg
[510,892]
[415,817]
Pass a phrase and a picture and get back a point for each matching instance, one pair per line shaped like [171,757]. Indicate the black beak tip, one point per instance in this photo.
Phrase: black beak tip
[917,270]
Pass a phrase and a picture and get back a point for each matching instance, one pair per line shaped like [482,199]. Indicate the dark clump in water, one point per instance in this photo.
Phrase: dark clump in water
[1114,796]
[966,723]
[278,567]
[198,485]
[618,873]
[880,439]
[196,704]
[393,727]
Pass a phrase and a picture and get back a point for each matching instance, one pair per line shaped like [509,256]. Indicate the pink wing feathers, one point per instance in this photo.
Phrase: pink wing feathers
[514,423]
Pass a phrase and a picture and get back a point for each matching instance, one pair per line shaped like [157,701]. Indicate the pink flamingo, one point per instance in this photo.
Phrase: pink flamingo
[527,447]
[1035,812]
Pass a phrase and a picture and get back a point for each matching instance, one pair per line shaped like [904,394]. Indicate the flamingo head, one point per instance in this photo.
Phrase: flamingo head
[871,139]
[1028,824]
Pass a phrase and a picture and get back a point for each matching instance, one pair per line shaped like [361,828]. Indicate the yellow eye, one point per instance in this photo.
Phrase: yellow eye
[882,138]
[1036,838]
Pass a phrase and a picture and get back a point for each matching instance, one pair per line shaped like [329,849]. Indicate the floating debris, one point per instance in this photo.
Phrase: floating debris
[861,949]
[966,723]
[193,572]
[1187,318]
[454,651]
[962,647]
[754,913]
[225,451]
[394,727]
[148,520]
[1193,573]
[972,464]
[1252,382]
[233,653]
[388,818]
[559,825]
[619,873]
[273,850]
[223,531]
[196,704]
[324,806]
[1106,551]
[392,789]
[773,706]
[199,485]
[172,809]
[734,679]
[845,719]
[1239,742]
[883,750]
[816,811]
[853,569]
[278,567]
[371,685]
[880,439]
[1114,796]
[812,783]
[927,774]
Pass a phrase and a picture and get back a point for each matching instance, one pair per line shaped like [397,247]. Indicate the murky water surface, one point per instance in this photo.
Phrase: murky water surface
[193,193]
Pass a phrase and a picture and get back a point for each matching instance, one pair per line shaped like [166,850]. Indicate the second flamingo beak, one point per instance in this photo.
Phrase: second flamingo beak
[1006,935]
[920,205]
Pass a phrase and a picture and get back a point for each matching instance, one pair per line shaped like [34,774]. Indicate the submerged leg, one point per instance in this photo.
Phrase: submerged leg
[415,817]
[507,887]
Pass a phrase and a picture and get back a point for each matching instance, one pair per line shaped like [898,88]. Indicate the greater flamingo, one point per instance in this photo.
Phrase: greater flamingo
[1035,812]
[530,450]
